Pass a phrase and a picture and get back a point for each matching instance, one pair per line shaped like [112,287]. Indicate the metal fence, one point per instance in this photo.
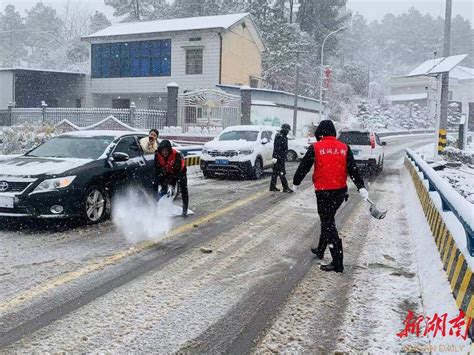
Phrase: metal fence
[208,109]
[83,117]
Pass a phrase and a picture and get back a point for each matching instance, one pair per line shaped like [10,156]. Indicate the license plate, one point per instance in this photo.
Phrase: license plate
[222,162]
[355,152]
[6,202]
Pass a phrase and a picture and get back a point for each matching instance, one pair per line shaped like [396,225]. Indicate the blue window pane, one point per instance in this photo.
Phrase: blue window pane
[156,49]
[155,66]
[135,49]
[124,50]
[115,65]
[95,61]
[145,67]
[135,67]
[165,67]
[145,49]
[105,51]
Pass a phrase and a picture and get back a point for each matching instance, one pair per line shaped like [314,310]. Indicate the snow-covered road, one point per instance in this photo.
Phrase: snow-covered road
[218,279]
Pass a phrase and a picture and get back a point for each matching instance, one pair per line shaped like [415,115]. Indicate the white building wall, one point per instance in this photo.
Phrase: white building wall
[6,88]
[146,86]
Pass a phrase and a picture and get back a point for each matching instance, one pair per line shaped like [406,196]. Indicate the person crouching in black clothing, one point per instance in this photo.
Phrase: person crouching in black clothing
[170,169]
[280,151]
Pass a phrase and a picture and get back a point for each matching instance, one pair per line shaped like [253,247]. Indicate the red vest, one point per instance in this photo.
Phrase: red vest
[330,164]
[168,163]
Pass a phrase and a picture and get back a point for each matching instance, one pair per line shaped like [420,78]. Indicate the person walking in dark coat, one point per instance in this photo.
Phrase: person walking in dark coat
[333,161]
[280,151]
[170,169]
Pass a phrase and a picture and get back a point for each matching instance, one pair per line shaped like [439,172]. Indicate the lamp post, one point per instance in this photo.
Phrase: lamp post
[322,69]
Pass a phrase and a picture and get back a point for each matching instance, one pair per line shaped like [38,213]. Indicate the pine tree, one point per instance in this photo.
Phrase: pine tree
[139,10]
[98,21]
[12,34]
[46,36]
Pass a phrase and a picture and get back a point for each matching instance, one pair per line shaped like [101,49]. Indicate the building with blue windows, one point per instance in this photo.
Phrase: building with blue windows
[134,62]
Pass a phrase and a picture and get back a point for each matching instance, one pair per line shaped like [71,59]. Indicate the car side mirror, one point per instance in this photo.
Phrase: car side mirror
[384,143]
[118,157]
[264,140]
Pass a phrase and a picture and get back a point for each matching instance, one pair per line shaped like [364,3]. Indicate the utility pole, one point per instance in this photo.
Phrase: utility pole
[297,79]
[443,122]
[322,70]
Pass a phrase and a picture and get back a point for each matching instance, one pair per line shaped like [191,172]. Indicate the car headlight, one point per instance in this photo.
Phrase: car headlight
[54,184]
[246,151]
[205,151]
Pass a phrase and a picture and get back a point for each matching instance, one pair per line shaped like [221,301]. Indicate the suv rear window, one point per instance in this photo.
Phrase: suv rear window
[355,138]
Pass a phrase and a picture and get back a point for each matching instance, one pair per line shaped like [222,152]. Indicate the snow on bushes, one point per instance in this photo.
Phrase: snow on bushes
[393,117]
[20,139]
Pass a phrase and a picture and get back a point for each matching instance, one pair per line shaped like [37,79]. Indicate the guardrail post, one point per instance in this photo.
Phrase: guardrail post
[43,111]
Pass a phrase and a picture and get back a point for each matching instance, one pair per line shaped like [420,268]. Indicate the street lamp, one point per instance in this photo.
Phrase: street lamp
[322,69]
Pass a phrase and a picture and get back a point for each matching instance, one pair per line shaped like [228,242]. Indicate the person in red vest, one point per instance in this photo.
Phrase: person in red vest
[170,169]
[332,161]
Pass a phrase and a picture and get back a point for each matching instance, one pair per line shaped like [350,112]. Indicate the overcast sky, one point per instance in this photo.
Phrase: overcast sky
[371,9]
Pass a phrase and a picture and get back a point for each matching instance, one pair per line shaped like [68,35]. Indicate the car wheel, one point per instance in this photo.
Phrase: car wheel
[291,155]
[96,205]
[257,172]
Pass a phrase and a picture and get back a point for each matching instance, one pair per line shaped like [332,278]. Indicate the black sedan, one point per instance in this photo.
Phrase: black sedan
[74,175]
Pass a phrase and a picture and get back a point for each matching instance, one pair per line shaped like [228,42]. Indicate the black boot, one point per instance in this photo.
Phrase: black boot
[337,257]
[318,253]
[288,190]
[332,267]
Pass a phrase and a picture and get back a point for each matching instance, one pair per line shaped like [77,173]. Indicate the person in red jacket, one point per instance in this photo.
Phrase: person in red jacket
[332,161]
[170,169]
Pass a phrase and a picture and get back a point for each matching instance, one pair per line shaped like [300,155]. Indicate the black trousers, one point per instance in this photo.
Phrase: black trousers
[183,186]
[279,171]
[328,202]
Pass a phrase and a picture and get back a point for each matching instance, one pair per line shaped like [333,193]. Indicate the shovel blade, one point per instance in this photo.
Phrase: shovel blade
[377,213]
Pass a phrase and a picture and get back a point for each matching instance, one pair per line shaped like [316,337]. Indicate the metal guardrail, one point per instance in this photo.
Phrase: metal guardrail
[401,133]
[451,200]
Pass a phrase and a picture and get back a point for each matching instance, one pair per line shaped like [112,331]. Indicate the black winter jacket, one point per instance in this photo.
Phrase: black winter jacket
[280,147]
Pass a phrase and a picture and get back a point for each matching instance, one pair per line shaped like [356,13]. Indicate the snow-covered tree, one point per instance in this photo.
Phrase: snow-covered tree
[12,35]
[46,35]
[136,10]
[98,21]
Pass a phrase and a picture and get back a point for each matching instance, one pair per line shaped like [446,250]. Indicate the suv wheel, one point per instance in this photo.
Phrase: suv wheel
[257,172]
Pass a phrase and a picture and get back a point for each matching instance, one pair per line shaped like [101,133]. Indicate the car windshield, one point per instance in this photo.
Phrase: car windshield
[72,147]
[250,136]
[355,138]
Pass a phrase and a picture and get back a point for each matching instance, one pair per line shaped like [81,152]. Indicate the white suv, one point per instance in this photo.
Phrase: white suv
[240,150]
[367,149]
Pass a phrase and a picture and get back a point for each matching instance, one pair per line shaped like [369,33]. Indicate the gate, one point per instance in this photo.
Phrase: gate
[209,110]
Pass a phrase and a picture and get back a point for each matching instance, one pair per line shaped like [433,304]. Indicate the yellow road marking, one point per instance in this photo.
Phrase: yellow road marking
[97,265]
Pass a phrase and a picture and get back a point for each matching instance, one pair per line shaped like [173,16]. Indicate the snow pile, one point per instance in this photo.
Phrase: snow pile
[20,139]
[393,117]
[139,217]
[456,154]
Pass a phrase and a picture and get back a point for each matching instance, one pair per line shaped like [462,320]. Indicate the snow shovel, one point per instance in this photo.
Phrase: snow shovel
[375,212]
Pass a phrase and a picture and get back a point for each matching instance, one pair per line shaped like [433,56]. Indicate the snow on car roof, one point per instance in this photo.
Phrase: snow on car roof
[171,25]
[248,128]
[100,133]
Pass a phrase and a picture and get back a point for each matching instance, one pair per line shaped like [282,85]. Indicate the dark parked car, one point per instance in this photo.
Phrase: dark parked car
[74,175]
